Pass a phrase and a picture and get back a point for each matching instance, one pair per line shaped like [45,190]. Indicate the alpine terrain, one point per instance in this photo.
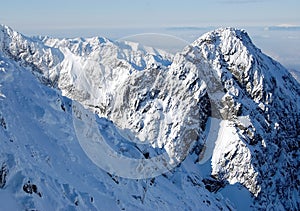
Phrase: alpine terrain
[96,124]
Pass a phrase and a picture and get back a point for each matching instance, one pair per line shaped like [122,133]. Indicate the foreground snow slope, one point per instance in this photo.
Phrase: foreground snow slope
[43,166]
[220,97]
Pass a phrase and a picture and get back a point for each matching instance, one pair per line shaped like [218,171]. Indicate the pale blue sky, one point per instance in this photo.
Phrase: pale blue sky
[36,16]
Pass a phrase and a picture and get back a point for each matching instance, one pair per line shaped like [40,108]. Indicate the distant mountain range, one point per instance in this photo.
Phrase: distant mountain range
[96,124]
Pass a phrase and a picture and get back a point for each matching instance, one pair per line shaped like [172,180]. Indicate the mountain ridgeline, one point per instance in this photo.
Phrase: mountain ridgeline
[220,90]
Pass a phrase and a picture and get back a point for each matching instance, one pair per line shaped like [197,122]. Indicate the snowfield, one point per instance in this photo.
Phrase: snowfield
[96,124]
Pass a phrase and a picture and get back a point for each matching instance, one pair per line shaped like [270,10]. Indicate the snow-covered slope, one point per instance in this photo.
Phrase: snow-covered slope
[43,166]
[220,102]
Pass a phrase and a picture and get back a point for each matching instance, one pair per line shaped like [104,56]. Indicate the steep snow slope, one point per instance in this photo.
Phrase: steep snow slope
[220,98]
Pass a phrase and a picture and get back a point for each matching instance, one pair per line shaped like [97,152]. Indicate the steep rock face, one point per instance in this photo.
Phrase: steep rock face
[162,110]
[131,85]
[260,101]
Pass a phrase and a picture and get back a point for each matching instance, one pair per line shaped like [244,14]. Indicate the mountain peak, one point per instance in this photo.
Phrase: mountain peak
[4,27]
[222,34]
[230,51]
[8,31]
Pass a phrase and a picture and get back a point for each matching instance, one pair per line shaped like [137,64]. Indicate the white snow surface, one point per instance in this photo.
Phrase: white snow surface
[220,108]
[39,146]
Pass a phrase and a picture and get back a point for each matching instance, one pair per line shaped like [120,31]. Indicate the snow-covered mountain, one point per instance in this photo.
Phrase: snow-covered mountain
[213,127]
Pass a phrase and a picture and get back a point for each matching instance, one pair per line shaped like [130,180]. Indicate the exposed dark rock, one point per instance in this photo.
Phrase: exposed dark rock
[31,188]
[213,185]
[3,175]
